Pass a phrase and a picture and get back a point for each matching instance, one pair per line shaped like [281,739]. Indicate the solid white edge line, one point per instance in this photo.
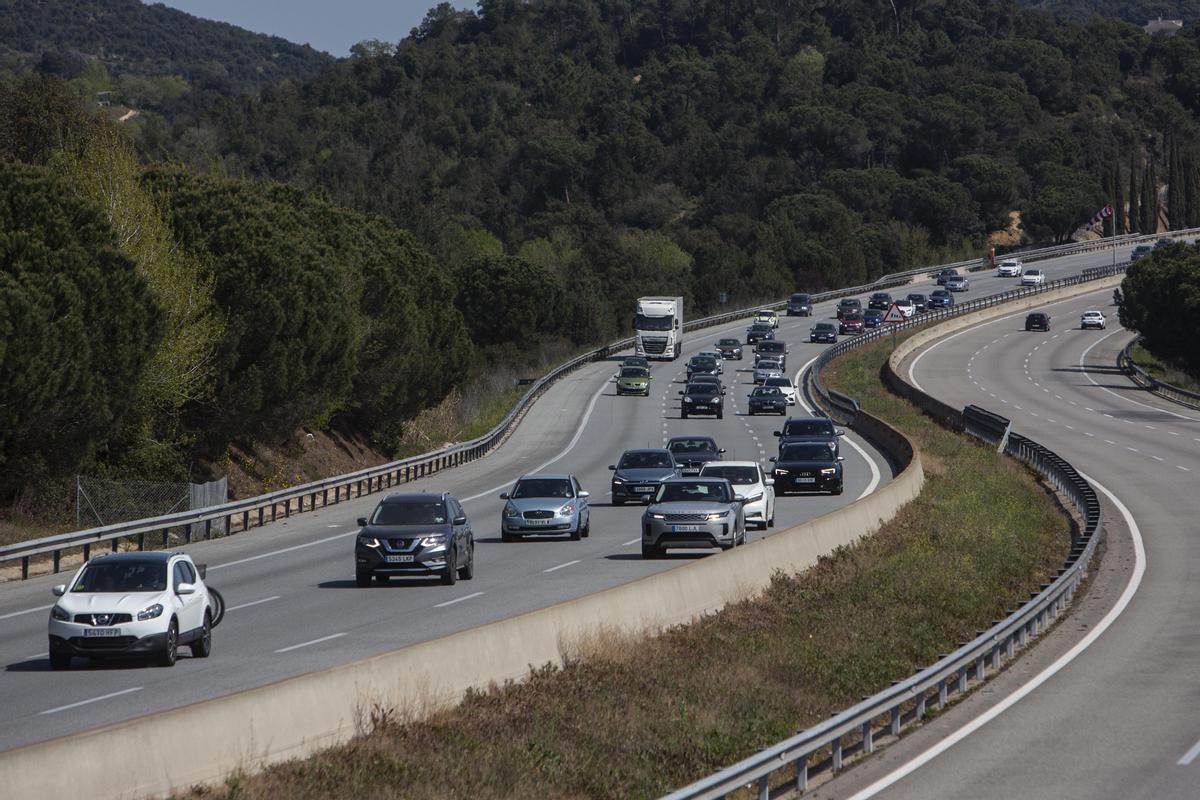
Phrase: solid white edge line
[306,644]
[876,476]
[1066,658]
[458,599]
[1088,375]
[1189,756]
[631,541]
[92,700]
[252,603]
[12,614]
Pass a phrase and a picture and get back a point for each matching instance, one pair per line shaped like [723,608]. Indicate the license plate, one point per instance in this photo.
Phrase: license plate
[686,528]
[100,633]
[806,480]
[538,521]
[643,489]
[398,559]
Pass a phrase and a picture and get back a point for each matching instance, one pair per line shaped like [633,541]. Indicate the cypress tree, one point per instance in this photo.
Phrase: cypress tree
[1135,219]
[1175,202]
[1118,202]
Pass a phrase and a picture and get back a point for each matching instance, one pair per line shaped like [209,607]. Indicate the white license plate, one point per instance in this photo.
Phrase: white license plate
[806,480]
[398,559]
[538,521]
[686,528]
[100,633]
[643,489]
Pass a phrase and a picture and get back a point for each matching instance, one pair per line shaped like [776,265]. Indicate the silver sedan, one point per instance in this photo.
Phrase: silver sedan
[690,513]
[545,504]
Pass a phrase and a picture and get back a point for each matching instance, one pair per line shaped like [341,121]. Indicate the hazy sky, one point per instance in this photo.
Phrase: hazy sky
[329,25]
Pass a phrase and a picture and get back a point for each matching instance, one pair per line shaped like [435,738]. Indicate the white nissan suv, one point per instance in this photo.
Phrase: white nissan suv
[133,605]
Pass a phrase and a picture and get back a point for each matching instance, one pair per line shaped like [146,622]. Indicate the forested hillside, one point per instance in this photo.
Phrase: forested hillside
[1139,12]
[128,37]
[724,146]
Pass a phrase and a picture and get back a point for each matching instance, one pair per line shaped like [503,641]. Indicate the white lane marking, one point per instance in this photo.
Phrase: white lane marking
[36,656]
[108,696]
[12,614]
[1158,458]
[1109,441]
[458,600]
[1185,469]
[1085,433]
[631,541]
[560,566]
[1088,375]
[333,526]
[291,549]
[945,744]
[307,644]
[875,474]
[252,603]
[1190,755]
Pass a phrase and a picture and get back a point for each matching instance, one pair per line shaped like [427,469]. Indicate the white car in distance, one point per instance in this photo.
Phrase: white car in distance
[905,307]
[754,488]
[785,385]
[767,317]
[1033,277]
[135,604]
[1010,268]
[1092,319]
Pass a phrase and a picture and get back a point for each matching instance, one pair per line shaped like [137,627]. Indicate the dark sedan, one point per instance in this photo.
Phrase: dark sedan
[799,304]
[808,467]
[880,300]
[759,332]
[693,452]
[919,301]
[940,298]
[768,400]
[946,275]
[702,365]
[848,305]
[730,348]
[702,398]
[639,472]
[810,429]
[823,332]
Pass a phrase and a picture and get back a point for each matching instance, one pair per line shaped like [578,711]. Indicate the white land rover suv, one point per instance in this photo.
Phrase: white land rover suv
[133,605]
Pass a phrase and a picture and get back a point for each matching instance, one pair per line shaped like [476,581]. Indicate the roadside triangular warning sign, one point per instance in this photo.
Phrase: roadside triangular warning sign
[894,314]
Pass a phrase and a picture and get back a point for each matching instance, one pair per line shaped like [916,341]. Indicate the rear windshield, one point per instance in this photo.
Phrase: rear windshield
[738,476]
[808,427]
[122,576]
[410,512]
[644,460]
[543,487]
[697,492]
[806,452]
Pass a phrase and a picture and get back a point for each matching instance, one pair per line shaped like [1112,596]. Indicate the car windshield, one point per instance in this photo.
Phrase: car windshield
[772,347]
[880,296]
[1033,272]
[728,343]
[702,388]
[694,492]
[799,298]
[644,323]
[738,476]
[760,327]
[122,576]
[874,313]
[806,452]
[767,364]
[851,318]
[766,391]
[703,362]
[824,326]
[848,302]
[692,446]
[779,382]
[645,461]
[808,427]
[916,298]
[635,372]
[410,512]
[542,487]
[940,293]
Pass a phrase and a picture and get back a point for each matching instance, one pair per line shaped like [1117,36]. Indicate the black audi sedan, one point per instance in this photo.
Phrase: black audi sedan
[807,467]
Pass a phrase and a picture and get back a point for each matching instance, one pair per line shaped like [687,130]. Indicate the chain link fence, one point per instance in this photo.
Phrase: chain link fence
[100,501]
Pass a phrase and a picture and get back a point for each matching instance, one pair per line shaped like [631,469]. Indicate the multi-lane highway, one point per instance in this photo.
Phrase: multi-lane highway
[1109,710]
[292,603]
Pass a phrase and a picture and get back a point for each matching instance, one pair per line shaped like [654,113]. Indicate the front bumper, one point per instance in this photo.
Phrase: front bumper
[633,388]
[769,407]
[807,481]
[635,490]
[701,408]
[663,534]
[559,523]
[137,638]
[420,561]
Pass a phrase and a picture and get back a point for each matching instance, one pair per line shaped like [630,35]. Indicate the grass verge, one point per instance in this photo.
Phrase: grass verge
[1164,371]
[635,718]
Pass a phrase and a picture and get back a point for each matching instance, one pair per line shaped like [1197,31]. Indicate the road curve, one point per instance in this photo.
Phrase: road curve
[1108,715]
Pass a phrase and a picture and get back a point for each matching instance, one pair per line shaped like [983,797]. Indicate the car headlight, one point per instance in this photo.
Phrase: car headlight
[829,471]
[510,510]
[687,399]
[567,510]
[368,541]
[717,515]
[753,498]
[617,480]
[779,471]
[59,614]
[433,541]
[655,515]
[150,613]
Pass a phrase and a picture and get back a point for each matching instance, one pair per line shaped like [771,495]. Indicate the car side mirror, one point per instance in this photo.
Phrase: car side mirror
[362,522]
[59,590]
[460,520]
[772,459]
[841,458]
[504,495]
[769,481]
[777,433]
[720,449]
[202,569]
[647,500]
[185,588]
[722,391]
[841,433]
[584,495]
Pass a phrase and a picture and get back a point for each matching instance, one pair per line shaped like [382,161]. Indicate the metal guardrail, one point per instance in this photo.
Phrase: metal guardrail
[262,509]
[1147,381]
[788,765]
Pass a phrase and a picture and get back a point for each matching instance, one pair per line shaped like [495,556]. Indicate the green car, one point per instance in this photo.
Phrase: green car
[634,380]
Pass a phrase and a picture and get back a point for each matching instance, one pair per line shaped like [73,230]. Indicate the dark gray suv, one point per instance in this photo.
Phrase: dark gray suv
[415,535]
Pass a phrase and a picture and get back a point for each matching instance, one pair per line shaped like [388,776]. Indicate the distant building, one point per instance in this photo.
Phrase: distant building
[1163,27]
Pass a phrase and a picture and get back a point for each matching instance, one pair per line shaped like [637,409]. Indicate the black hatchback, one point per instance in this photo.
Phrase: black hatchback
[1037,321]
[415,535]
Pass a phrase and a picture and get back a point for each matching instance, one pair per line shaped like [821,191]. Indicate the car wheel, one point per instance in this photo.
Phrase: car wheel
[202,647]
[721,414]
[170,653]
[450,576]
[381,578]
[505,536]
[362,578]
[587,529]
[577,534]
[468,572]
[682,414]
[60,661]
[771,519]
[838,490]
[649,551]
